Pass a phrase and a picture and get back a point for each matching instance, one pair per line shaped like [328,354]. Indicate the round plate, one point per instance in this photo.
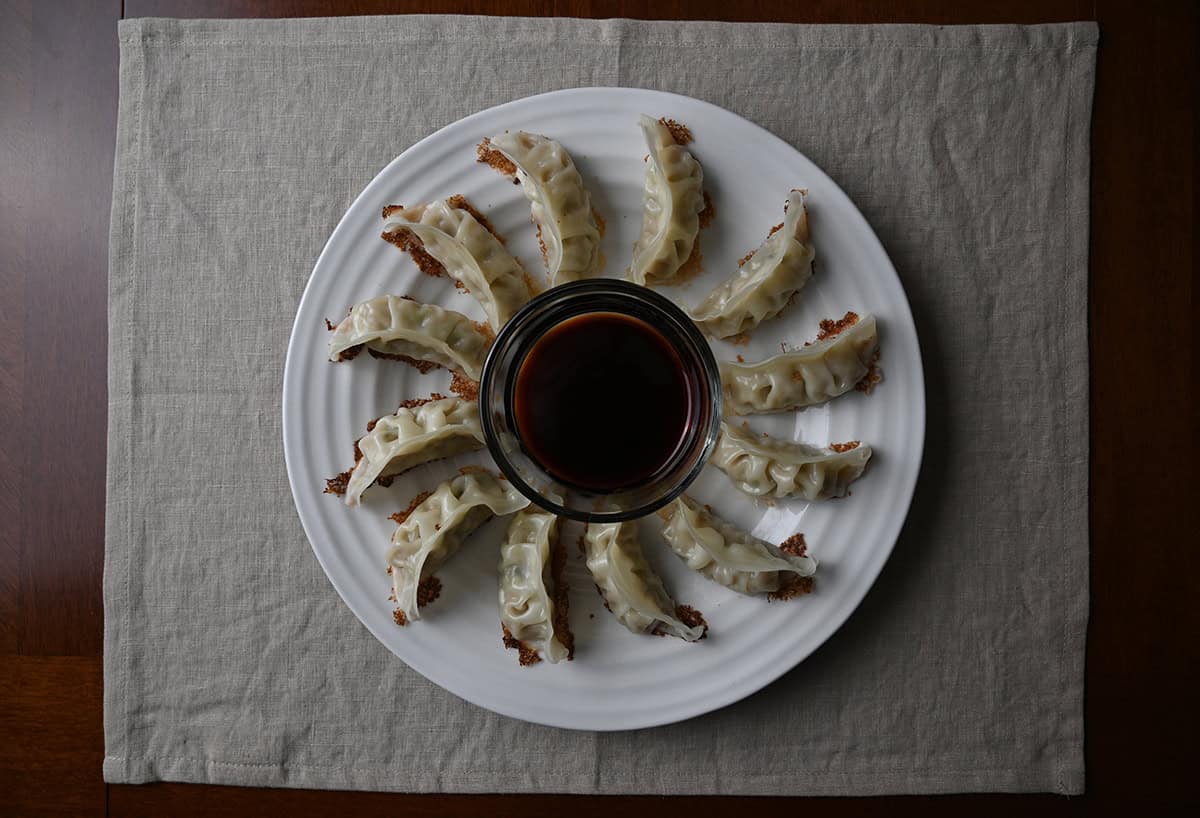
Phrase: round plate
[618,680]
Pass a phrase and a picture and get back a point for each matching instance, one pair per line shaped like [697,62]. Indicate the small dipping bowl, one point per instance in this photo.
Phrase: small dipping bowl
[603,298]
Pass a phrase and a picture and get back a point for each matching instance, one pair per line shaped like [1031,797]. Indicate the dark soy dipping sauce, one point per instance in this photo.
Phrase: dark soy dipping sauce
[602,401]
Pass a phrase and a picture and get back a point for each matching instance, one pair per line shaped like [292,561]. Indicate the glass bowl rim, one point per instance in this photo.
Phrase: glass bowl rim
[647,298]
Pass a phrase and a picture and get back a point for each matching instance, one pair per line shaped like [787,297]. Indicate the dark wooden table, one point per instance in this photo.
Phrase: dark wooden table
[58,78]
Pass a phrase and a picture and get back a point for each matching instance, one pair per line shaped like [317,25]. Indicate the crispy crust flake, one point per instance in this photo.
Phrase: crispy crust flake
[399,618]
[679,132]
[494,158]
[831,328]
[338,484]
[692,618]
[794,545]
[798,586]
[412,245]
[844,447]
[525,654]
[413,403]
[463,386]
[428,590]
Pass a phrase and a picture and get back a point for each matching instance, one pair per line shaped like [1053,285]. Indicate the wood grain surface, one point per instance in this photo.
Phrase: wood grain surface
[58,102]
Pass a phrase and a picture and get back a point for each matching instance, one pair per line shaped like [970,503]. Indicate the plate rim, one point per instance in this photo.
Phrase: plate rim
[732,693]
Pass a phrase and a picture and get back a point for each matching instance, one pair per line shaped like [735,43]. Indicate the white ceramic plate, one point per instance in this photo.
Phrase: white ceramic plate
[618,680]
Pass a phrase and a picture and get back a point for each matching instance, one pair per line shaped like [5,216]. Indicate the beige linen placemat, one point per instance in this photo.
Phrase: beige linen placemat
[228,656]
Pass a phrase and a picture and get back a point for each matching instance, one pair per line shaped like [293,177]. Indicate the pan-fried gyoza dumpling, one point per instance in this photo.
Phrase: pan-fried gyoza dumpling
[763,466]
[529,589]
[766,282]
[631,589]
[810,375]
[671,204]
[726,555]
[394,325]
[558,202]
[433,531]
[412,436]
[468,251]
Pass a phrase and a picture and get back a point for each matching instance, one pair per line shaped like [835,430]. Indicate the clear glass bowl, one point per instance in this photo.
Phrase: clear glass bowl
[513,344]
